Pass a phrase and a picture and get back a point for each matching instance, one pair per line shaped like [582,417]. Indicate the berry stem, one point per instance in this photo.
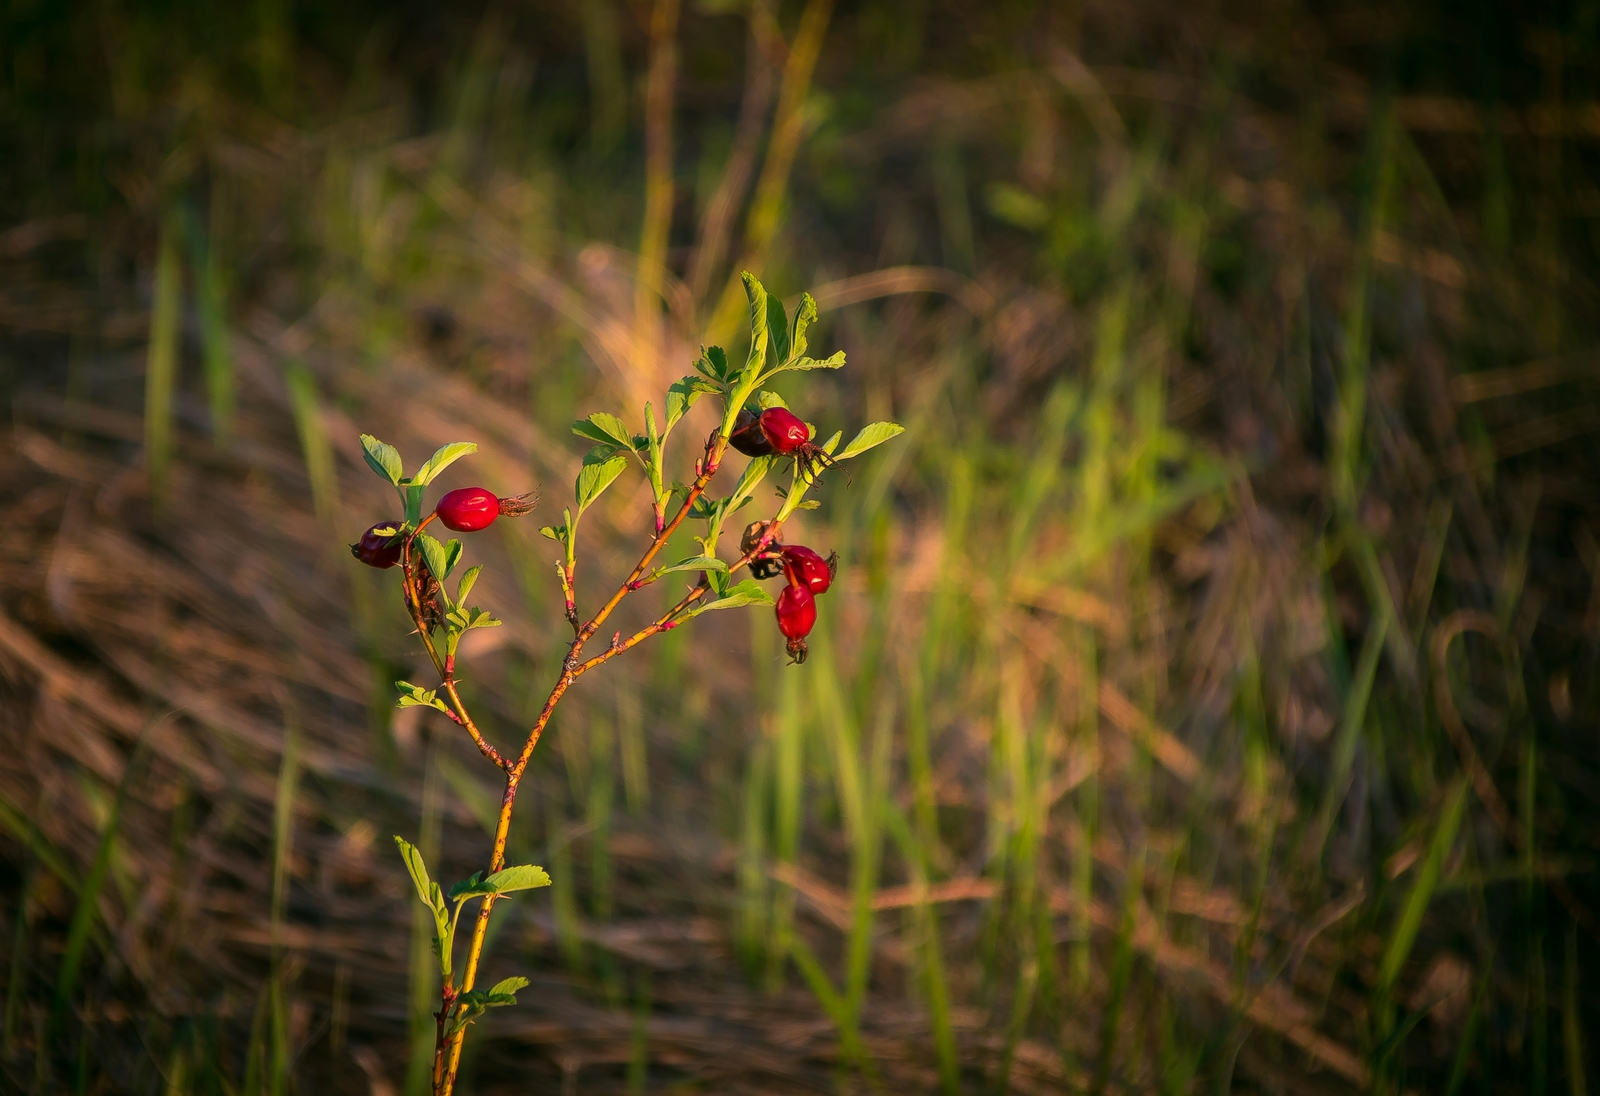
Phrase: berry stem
[445,668]
[716,445]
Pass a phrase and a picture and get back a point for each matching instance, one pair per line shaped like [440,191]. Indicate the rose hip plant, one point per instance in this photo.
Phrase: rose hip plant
[756,423]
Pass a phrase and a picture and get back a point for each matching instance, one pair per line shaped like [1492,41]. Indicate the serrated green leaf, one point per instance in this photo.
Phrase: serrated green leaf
[871,435]
[468,581]
[427,889]
[452,556]
[469,888]
[713,363]
[695,563]
[480,618]
[443,457]
[596,477]
[414,696]
[767,398]
[557,533]
[756,294]
[520,878]
[383,459]
[605,428]
[754,473]
[748,592]
[682,396]
[804,317]
[435,556]
[777,331]
[508,986]
[834,361]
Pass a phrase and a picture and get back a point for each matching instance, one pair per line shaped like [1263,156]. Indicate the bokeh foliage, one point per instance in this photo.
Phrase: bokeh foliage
[1208,699]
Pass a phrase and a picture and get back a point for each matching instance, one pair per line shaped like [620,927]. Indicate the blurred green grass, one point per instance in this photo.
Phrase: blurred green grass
[1208,699]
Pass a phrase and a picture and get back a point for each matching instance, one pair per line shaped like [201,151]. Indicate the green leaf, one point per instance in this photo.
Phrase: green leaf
[435,556]
[836,361]
[777,332]
[757,295]
[427,889]
[480,618]
[873,434]
[507,987]
[713,363]
[804,317]
[748,592]
[382,458]
[557,533]
[754,473]
[414,696]
[766,398]
[720,581]
[468,581]
[471,887]
[694,563]
[682,396]
[604,428]
[520,878]
[597,475]
[444,457]
[452,556]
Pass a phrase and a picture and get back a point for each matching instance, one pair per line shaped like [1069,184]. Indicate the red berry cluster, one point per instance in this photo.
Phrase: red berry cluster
[808,575]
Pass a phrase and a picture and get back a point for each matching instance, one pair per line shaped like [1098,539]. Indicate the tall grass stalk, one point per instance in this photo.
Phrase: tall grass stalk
[281,1052]
[161,359]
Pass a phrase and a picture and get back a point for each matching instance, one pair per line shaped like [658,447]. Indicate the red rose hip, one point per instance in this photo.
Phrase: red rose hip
[380,546]
[468,509]
[747,437]
[796,612]
[783,430]
[807,567]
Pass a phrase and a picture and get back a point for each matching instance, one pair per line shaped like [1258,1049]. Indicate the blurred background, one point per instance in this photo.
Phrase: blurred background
[1208,699]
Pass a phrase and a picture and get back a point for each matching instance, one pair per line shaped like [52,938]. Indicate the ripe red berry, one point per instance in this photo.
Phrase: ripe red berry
[380,546]
[783,430]
[808,567]
[468,509]
[747,437]
[796,612]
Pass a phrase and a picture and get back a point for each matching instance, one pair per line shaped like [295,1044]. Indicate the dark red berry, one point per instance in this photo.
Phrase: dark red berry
[783,430]
[796,612]
[468,509]
[747,437]
[380,546]
[808,567]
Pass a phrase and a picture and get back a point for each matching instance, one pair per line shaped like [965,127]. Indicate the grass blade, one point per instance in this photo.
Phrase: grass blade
[161,361]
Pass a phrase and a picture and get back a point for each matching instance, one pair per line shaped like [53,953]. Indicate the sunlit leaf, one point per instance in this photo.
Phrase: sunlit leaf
[382,458]
[596,477]
[444,457]
[520,878]
[804,317]
[873,434]
[695,563]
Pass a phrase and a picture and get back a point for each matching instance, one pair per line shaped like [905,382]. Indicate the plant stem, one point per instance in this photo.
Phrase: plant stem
[572,669]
